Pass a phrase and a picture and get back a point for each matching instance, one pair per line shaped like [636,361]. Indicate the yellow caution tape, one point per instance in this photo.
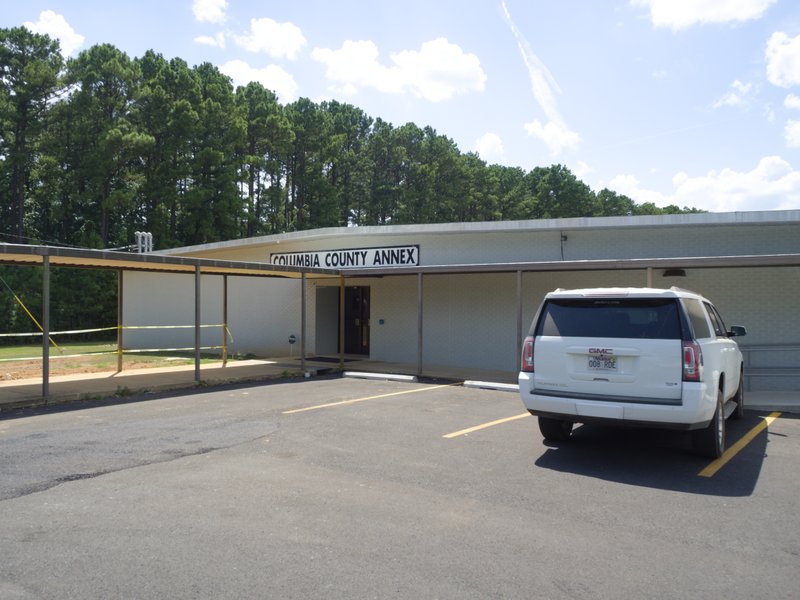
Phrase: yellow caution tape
[25,308]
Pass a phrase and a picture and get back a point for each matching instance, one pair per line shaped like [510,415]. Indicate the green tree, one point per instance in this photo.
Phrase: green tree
[280,137]
[311,198]
[482,196]
[449,188]
[348,171]
[30,65]
[212,207]
[647,208]
[557,193]
[386,160]
[165,110]
[511,191]
[415,171]
[262,157]
[152,144]
[107,148]
[26,284]
[612,204]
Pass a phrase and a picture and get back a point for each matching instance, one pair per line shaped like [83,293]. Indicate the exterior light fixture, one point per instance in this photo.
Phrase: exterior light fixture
[674,273]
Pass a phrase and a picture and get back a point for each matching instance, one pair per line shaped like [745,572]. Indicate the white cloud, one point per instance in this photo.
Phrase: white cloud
[791,132]
[440,70]
[792,102]
[772,185]
[207,40]
[735,96]
[783,60]
[555,134]
[490,147]
[356,65]
[582,170]
[271,77]
[682,14]
[210,11]
[279,40]
[56,27]
[436,72]
[631,187]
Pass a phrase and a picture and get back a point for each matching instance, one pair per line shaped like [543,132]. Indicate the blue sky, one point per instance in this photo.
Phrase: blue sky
[687,102]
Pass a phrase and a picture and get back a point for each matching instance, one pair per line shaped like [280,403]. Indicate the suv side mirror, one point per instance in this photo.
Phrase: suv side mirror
[737,331]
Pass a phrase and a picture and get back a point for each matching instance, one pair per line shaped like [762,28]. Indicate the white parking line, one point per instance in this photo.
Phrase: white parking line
[485,426]
[354,400]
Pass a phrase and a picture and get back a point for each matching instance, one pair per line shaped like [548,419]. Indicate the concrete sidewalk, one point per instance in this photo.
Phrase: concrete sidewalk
[95,386]
[22,393]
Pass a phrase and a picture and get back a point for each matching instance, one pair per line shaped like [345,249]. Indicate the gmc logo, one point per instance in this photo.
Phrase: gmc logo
[601,351]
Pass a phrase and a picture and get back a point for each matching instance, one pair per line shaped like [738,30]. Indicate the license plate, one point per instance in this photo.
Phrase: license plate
[602,363]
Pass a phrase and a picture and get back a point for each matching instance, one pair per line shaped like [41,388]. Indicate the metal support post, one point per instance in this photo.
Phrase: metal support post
[197,323]
[120,318]
[45,326]
[224,320]
[419,324]
[303,323]
[341,322]
[519,318]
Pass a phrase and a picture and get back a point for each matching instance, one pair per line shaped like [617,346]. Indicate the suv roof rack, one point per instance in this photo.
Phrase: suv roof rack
[675,288]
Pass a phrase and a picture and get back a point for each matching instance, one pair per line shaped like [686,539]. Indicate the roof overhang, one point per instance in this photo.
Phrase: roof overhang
[690,262]
[20,254]
[106,259]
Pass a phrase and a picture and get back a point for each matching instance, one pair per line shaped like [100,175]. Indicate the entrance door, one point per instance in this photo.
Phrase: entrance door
[356,320]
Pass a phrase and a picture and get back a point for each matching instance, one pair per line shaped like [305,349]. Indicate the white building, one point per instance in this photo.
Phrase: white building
[463,294]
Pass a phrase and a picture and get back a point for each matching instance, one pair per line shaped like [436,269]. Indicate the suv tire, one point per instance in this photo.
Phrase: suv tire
[555,429]
[710,441]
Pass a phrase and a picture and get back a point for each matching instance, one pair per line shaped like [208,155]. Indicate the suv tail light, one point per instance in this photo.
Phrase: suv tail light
[692,362]
[527,355]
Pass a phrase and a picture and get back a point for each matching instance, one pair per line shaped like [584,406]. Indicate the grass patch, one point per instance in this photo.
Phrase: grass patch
[24,361]
[34,351]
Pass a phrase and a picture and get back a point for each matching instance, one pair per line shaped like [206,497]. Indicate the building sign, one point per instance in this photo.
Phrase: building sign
[352,258]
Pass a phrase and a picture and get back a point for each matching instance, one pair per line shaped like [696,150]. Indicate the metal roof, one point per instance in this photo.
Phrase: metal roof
[727,219]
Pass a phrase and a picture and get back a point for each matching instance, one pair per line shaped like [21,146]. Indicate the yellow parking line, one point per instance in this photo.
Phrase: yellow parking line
[353,401]
[715,466]
[485,425]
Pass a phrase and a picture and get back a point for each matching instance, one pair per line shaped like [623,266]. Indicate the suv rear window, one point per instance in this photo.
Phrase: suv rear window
[697,315]
[649,318]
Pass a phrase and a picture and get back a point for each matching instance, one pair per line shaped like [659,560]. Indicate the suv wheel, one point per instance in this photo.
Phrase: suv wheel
[555,429]
[710,441]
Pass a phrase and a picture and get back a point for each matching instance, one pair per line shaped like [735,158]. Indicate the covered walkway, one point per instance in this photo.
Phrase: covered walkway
[48,256]
[49,389]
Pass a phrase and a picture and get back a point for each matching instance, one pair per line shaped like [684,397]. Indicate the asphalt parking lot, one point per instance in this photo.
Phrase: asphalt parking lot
[346,488]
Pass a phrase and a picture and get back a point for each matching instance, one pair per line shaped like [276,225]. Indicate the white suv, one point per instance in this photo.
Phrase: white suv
[635,356]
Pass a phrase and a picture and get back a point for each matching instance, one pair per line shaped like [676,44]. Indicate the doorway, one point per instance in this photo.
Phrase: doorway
[356,320]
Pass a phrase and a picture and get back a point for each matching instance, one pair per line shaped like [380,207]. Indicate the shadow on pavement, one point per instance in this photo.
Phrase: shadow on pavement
[17,413]
[659,459]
